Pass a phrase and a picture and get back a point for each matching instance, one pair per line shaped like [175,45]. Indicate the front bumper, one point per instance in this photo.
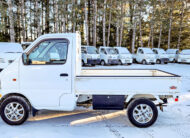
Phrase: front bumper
[113,61]
[126,61]
[184,60]
[93,61]
[150,60]
[164,60]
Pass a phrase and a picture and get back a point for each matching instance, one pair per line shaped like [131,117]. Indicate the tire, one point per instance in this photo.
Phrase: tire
[158,61]
[10,105]
[102,63]
[135,107]
[144,62]
[83,63]
[120,63]
[93,65]
[129,63]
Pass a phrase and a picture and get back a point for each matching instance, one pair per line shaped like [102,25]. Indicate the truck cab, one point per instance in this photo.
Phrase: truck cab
[173,54]
[145,56]
[124,55]
[161,56]
[108,56]
[8,53]
[184,56]
[90,56]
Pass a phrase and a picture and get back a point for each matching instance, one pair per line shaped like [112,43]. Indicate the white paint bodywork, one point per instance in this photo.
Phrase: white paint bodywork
[45,89]
[184,56]
[160,54]
[172,54]
[86,56]
[124,57]
[106,56]
[147,55]
[8,53]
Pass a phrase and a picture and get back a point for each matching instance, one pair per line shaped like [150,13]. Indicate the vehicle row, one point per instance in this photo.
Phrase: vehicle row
[121,56]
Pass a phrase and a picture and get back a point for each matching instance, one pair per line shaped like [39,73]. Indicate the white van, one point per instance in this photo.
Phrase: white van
[184,56]
[145,56]
[161,56]
[8,53]
[48,75]
[125,56]
[90,55]
[108,56]
[172,54]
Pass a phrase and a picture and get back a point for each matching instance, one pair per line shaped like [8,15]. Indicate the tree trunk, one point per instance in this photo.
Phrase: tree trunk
[86,22]
[11,19]
[180,25]
[170,24]
[117,33]
[121,26]
[56,16]
[134,36]
[47,12]
[39,33]
[104,24]
[140,31]
[73,11]
[160,35]
[23,20]
[95,16]
[109,24]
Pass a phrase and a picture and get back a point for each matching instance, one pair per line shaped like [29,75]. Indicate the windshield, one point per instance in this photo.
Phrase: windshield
[111,51]
[161,51]
[172,51]
[148,51]
[123,51]
[185,52]
[92,50]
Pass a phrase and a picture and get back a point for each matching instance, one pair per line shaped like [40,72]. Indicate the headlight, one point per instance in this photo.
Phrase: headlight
[98,56]
[2,60]
[89,57]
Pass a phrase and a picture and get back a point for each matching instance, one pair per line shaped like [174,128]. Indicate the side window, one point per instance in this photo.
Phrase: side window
[83,50]
[140,51]
[117,51]
[49,52]
[102,51]
[177,52]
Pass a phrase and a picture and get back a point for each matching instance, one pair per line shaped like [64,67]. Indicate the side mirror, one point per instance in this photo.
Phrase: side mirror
[25,59]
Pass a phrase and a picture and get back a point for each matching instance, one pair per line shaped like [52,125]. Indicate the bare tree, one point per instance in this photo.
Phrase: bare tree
[180,24]
[56,16]
[73,11]
[134,27]
[94,25]
[23,19]
[109,23]
[11,19]
[38,10]
[121,26]
[170,24]
[104,24]
[86,22]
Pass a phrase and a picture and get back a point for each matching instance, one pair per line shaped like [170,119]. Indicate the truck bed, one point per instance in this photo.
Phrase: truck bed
[124,82]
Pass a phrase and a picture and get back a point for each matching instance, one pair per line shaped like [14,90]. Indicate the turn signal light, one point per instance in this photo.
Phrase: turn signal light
[173,87]
[177,99]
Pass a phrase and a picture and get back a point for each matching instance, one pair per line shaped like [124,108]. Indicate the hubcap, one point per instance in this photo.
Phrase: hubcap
[102,63]
[14,111]
[142,113]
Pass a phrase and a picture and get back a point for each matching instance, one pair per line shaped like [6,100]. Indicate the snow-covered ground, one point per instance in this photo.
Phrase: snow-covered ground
[173,122]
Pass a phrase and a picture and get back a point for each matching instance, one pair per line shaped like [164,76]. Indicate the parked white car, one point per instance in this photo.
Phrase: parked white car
[173,54]
[51,78]
[184,56]
[124,55]
[108,56]
[161,56]
[90,55]
[145,56]
[8,53]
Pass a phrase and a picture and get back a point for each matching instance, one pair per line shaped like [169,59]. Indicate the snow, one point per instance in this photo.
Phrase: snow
[173,122]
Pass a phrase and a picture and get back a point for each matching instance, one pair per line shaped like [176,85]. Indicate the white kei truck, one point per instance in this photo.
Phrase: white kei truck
[49,76]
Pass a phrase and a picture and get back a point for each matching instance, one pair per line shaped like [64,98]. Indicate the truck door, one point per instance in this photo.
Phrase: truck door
[47,75]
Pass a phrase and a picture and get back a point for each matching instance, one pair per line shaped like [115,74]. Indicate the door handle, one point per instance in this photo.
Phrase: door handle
[64,75]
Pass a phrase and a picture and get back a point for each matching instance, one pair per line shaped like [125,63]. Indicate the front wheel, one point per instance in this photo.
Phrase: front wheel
[142,112]
[103,63]
[14,110]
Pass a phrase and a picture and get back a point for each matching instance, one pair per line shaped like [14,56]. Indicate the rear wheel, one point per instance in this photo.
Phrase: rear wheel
[14,110]
[83,63]
[103,63]
[144,62]
[119,63]
[158,61]
[142,112]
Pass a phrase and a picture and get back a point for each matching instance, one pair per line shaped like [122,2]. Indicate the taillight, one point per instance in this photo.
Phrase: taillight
[173,87]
